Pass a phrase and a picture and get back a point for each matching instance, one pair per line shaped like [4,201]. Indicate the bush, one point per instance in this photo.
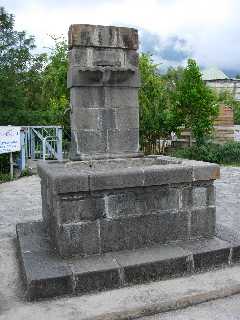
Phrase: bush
[4,177]
[228,153]
[4,163]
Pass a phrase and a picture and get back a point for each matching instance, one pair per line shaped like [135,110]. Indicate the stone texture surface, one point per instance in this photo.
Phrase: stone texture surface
[203,222]
[142,231]
[95,274]
[47,274]
[137,203]
[100,36]
[208,253]
[81,238]
[157,263]
[103,79]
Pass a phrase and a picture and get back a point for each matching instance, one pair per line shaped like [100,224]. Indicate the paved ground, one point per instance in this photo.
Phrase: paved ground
[20,201]
[221,309]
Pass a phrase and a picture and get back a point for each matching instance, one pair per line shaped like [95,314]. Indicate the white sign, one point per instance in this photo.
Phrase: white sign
[9,139]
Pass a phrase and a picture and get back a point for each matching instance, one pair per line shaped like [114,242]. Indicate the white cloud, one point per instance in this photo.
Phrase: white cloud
[210,27]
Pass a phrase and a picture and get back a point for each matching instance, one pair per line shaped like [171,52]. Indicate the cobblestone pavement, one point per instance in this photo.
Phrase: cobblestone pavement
[21,201]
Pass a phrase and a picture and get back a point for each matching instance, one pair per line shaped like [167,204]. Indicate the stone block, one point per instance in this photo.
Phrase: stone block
[95,273]
[232,237]
[89,118]
[122,77]
[45,275]
[140,201]
[94,77]
[94,118]
[90,57]
[109,119]
[123,140]
[203,222]
[187,196]
[102,36]
[87,97]
[132,58]
[63,178]
[33,237]
[77,207]
[126,118]
[205,171]
[199,195]
[166,174]
[80,56]
[71,181]
[121,97]
[89,141]
[208,253]
[106,57]
[142,231]
[116,179]
[104,97]
[236,253]
[77,77]
[211,195]
[127,202]
[80,238]
[153,264]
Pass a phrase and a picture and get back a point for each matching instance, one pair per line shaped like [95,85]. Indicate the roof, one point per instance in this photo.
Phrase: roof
[213,73]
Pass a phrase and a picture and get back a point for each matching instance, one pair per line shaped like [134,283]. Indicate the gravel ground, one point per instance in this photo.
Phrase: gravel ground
[20,201]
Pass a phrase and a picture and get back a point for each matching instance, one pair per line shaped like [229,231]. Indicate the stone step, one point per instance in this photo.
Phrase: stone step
[46,274]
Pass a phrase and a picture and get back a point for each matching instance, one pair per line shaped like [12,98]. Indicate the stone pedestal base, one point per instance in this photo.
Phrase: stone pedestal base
[46,274]
[116,222]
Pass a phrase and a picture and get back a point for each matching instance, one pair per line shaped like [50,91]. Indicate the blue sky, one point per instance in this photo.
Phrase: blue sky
[172,30]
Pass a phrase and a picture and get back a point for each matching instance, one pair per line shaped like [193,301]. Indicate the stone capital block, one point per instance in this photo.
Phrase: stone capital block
[100,76]
[85,35]
[93,57]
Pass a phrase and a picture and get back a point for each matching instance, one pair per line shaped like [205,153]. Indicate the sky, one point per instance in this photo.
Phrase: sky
[171,30]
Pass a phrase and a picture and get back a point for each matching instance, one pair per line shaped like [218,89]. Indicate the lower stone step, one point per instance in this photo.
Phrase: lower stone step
[46,274]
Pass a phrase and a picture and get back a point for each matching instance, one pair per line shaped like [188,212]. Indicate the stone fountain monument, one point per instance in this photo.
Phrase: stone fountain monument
[112,217]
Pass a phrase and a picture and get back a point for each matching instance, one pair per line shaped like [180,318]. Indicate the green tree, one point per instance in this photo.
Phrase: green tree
[54,90]
[195,103]
[156,117]
[20,74]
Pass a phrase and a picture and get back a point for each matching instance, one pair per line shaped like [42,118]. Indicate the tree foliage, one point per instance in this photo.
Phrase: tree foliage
[20,74]
[195,102]
[157,119]
[33,87]
[178,98]
[54,89]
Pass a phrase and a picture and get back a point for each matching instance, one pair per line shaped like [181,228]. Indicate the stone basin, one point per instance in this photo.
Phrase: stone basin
[93,207]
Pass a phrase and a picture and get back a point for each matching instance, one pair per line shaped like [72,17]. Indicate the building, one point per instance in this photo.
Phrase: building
[218,80]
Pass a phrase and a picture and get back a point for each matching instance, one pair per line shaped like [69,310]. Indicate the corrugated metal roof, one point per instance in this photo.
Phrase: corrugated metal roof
[213,73]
